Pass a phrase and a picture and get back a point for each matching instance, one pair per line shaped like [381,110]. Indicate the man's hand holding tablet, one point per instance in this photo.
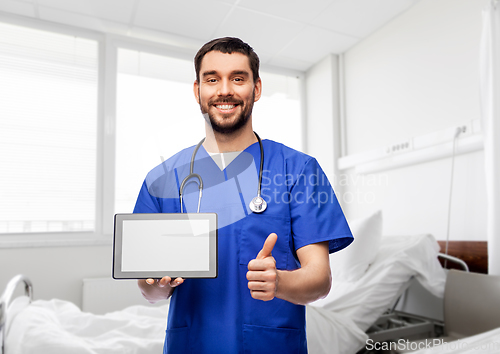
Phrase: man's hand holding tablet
[155,290]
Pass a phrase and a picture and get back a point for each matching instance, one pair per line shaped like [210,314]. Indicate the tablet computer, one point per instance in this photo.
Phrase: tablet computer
[161,244]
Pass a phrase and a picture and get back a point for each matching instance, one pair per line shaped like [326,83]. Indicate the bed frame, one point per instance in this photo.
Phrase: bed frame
[6,299]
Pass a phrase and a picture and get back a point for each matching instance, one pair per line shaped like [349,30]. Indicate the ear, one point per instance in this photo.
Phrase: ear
[196,90]
[257,89]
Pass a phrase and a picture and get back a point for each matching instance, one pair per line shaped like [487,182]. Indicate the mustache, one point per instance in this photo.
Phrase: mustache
[225,101]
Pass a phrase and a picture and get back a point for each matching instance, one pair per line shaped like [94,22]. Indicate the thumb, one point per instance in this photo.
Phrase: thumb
[268,246]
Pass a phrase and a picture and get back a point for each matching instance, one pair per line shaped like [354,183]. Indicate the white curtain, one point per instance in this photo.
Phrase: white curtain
[490,121]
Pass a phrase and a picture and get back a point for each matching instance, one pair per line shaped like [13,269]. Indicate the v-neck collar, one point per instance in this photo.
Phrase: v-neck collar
[224,159]
[207,154]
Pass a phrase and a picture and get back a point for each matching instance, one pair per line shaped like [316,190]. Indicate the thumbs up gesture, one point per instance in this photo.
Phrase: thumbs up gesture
[262,274]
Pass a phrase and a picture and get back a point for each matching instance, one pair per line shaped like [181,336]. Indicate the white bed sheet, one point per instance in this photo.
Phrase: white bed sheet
[59,327]
[329,332]
[399,258]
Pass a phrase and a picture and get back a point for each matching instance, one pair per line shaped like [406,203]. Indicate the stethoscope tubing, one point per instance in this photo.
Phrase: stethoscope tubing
[200,180]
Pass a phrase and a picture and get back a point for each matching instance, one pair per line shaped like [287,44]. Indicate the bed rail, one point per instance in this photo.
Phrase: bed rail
[454,260]
[6,299]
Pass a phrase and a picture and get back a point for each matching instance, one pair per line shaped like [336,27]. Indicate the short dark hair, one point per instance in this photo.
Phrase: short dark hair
[228,45]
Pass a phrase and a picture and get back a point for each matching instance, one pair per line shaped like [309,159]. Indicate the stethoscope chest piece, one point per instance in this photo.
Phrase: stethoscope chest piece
[258,205]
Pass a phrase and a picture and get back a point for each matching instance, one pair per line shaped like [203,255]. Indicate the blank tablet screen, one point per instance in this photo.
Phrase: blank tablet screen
[157,245]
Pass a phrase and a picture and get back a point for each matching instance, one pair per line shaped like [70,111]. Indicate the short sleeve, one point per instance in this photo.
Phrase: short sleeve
[146,203]
[315,211]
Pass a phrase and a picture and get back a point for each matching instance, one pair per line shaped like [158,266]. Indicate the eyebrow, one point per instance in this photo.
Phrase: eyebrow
[208,73]
[235,72]
[240,72]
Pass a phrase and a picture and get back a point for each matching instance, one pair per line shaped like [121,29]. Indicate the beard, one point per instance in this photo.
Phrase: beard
[222,124]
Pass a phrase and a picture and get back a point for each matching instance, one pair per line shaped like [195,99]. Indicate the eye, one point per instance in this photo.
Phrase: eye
[212,80]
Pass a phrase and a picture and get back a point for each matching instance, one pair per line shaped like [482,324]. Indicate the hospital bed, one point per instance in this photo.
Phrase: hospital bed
[362,291]
[400,261]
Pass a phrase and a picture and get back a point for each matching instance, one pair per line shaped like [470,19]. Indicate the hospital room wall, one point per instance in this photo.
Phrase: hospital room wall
[323,119]
[56,272]
[416,75]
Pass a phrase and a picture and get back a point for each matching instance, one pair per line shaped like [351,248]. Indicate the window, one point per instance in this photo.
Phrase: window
[48,133]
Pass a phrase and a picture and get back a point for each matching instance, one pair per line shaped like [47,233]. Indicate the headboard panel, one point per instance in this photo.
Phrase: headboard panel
[474,253]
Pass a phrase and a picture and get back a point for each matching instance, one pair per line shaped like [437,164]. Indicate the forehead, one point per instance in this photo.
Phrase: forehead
[224,63]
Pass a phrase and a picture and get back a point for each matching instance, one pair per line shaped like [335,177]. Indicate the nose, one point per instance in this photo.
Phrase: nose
[225,88]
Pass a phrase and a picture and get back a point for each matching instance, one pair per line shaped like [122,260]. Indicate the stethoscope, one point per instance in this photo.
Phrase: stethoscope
[257,205]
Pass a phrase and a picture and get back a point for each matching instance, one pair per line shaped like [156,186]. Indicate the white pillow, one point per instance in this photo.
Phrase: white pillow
[351,263]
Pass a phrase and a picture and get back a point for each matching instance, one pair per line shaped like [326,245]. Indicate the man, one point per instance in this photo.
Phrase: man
[270,263]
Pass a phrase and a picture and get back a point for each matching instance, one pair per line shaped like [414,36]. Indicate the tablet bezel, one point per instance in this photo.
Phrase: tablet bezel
[117,272]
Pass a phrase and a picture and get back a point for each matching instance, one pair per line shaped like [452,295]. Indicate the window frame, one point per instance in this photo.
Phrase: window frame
[108,45]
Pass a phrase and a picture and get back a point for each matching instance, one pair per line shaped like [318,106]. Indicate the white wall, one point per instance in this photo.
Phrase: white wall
[56,272]
[416,75]
[323,113]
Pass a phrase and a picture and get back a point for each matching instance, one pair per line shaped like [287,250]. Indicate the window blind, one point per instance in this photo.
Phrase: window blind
[48,131]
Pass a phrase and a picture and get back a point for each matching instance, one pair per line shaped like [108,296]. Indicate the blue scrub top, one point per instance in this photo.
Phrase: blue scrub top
[219,315]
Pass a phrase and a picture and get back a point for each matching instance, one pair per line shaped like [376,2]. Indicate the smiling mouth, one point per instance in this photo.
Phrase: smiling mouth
[225,108]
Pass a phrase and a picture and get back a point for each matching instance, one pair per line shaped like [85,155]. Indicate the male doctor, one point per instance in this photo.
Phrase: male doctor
[270,263]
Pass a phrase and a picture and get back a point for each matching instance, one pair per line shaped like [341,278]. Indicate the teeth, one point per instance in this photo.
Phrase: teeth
[225,106]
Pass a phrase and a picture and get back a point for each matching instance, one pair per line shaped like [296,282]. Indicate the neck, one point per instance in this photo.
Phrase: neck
[236,141]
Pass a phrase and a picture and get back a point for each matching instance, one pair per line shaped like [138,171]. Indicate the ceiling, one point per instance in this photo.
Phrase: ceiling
[292,34]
